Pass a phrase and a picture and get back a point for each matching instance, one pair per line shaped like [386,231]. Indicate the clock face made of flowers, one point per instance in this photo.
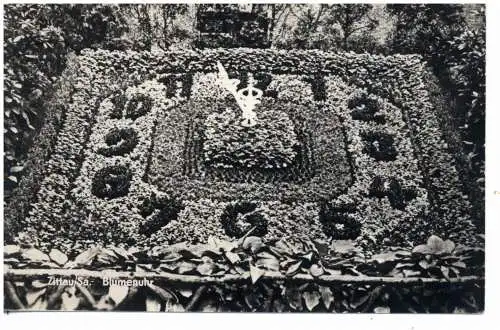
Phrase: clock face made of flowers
[232,145]
[262,154]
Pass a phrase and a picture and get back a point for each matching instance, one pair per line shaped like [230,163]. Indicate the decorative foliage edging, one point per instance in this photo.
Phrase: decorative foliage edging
[249,276]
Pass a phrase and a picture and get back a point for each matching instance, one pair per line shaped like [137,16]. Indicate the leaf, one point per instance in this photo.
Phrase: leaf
[40,304]
[208,306]
[255,273]
[33,295]
[58,257]
[164,294]
[106,257]
[35,255]
[16,169]
[294,268]
[360,300]
[12,178]
[253,243]
[105,303]
[11,250]
[326,295]
[186,292]
[86,257]
[205,268]
[312,299]
[459,264]
[333,271]
[449,246]
[410,273]
[153,304]
[424,264]
[383,258]
[403,265]
[70,301]
[270,263]
[382,310]
[173,307]
[438,246]
[321,246]
[117,293]
[37,284]
[344,246]
[422,249]
[185,267]
[308,256]
[294,299]
[446,272]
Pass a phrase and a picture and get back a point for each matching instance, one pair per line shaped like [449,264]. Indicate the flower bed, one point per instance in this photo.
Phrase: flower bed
[140,152]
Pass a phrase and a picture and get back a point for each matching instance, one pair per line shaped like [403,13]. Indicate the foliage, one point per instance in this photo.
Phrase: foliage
[37,40]
[326,27]
[457,54]
[111,182]
[156,25]
[442,180]
[271,143]
[228,26]
[252,264]
[242,218]
[119,142]
[465,63]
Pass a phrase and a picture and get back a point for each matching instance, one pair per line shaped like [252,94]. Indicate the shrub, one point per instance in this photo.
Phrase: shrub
[158,211]
[138,106]
[365,107]
[456,52]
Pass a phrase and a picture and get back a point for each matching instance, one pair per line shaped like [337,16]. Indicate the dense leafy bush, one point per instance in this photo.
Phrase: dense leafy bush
[321,167]
[158,211]
[225,25]
[450,211]
[338,223]
[365,107]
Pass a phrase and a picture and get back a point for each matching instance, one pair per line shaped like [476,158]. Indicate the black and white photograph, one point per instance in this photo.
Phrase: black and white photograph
[244,157]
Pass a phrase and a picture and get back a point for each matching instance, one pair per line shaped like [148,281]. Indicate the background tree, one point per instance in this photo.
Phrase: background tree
[326,27]
[351,18]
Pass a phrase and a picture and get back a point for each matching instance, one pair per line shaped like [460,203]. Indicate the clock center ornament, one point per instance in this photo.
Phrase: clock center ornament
[246,98]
